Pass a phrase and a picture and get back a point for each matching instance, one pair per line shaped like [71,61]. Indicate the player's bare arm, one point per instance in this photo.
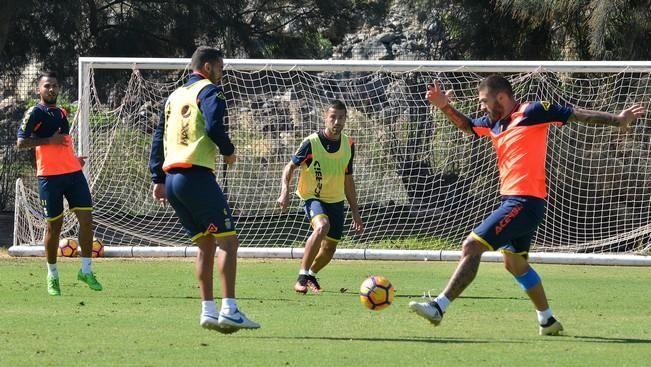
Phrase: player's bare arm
[26,143]
[351,197]
[623,119]
[441,99]
[288,171]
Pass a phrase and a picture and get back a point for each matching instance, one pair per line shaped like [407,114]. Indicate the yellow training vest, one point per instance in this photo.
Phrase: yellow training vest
[185,140]
[324,178]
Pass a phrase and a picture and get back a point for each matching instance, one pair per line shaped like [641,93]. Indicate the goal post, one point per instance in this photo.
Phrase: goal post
[422,185]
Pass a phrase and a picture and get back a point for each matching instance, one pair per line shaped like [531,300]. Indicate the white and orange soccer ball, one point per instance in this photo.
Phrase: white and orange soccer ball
[98,248]
[68,247]
[376,293]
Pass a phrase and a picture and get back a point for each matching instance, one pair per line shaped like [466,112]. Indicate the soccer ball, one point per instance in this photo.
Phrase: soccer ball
[376,293]
[98,248]
[68,247]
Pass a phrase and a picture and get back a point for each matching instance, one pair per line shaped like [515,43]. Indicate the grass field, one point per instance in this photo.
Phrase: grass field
[147,315]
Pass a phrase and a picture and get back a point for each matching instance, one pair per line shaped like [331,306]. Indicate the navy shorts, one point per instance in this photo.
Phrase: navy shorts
[199,202]
[73,186]
[334,211]
[512,226]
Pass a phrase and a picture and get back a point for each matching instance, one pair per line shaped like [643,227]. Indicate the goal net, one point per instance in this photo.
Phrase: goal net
[421,183]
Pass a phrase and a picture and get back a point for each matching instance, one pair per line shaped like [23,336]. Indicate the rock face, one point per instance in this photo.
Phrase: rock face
[404,33]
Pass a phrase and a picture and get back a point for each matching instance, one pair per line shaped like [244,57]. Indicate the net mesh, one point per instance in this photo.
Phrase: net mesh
[421,183]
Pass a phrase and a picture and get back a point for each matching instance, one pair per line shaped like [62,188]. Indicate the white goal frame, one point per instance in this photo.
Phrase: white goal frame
[86,64]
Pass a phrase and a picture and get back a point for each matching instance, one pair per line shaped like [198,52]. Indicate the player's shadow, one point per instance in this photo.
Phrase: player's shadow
[411,339]
[603,339]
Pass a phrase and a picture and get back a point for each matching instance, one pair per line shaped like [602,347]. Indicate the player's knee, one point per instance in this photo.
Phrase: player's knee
[54,226]
[472,247]
[322,228]
[528,280]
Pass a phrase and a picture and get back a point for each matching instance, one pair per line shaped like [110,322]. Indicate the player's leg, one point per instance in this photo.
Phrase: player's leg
[328,246]
[51,195]
[320,222]
[463,275]
[80,202]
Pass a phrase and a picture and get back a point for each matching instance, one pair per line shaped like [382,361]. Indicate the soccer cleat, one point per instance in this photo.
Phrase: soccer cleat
[236,320]
[431,311]
[212,323]
[90,280]
[552,327]
[53,287]
[301,284]
[313,284]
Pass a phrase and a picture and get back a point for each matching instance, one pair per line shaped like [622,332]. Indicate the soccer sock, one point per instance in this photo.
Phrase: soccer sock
[442,301]
[543,316]
[85,265]
[52,270]
[229,305]
[303,272]
[208,308]
[311,273]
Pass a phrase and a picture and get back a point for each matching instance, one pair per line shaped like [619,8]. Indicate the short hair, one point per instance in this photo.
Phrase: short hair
[46,74]
[338,105]
[205,54]
[495,83]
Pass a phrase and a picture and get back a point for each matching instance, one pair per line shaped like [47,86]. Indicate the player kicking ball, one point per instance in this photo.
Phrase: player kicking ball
[518,132]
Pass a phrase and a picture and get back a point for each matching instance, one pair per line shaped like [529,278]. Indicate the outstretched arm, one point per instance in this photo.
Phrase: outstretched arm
[438,98]
[351,197]
[622,120]
[288,171]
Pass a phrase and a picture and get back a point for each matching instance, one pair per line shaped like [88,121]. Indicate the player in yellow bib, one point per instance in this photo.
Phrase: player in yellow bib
[326,179]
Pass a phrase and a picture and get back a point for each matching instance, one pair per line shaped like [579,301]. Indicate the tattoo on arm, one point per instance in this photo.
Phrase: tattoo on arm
[594,117]
[460,120]
[463,276]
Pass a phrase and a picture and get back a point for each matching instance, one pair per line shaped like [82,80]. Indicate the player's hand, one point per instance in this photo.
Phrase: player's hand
[230,159]
[82,160]
[59,139]
[629,115]
[158,193]
[436,96]
[283,201]
[357,224]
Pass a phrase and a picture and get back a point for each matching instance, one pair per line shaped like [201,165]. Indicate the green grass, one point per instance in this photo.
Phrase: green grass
[147,315]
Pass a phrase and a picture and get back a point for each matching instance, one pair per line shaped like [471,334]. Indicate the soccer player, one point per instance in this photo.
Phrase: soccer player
[519,134]
[326,179]
[46,129]
[183,154]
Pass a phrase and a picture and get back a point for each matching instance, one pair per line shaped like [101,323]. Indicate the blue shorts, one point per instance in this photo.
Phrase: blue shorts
[334,211]
[512,226]
[73,186]
[199,202]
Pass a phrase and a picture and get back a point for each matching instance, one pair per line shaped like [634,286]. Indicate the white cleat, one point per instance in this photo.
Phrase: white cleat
[551,328]
[427,310]
[212,323]
[236,320]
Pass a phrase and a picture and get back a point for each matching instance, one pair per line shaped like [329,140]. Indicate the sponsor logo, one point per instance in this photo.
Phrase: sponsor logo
[318,175]
[185,111]
[507,219]
[228,224]
[545,105]
[221,96]
[212,228]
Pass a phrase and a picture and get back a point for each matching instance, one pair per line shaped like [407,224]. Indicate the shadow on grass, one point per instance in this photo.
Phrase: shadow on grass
[429,340]
[602,339]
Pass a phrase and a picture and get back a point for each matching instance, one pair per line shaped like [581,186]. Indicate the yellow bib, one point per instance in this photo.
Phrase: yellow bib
[324,178]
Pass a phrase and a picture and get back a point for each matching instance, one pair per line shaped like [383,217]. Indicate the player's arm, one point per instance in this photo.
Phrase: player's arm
[622,120]
[213,107]
[440,99]
[26,128]
[157,157]
[351,193]
[288,171]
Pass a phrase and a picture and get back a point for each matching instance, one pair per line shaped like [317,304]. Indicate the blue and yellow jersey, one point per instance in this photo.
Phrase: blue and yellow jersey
[520,141]
[42,121]
[212,105]
[324,164]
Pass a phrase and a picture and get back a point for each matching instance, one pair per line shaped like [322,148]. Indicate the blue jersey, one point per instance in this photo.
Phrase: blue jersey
[213,108]
[304,152]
